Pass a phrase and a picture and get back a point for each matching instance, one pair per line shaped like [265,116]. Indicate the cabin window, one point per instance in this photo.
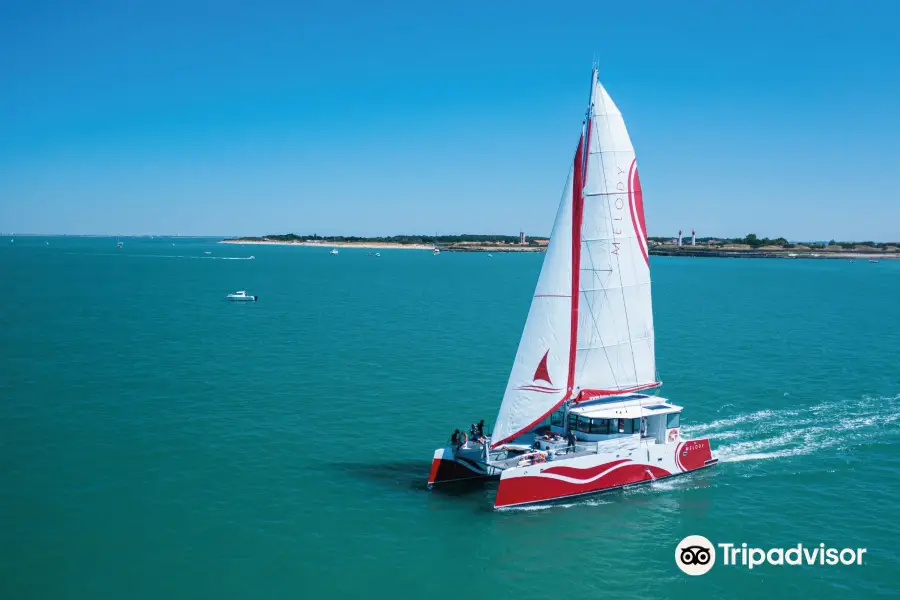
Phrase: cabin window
[673,420]
[599,426]
[556,419]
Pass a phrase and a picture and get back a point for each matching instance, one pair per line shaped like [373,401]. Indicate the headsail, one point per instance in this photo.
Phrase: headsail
[589,331]
[537,383]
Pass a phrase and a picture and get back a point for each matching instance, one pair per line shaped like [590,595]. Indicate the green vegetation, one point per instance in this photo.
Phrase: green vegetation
[751,240]
[754,242]
[397,239]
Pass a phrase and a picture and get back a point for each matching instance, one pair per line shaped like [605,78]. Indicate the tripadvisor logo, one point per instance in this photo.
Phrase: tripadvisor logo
[696,555]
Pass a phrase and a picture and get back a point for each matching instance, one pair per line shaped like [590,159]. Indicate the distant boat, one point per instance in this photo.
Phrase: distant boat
[436,251]
[252,257]
[490,255]
[119,244]
[872,260]
[207,252]
[378,254]
[333,251]
[241,296]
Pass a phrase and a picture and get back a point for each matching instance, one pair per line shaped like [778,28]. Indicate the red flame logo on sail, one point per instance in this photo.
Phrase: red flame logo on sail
[636,203]
[541,373]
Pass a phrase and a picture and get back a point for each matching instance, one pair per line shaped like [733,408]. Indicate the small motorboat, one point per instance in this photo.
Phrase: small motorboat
[333,251]
[207,252]
[242,296]
[378,254]
[872,260]
[436,251]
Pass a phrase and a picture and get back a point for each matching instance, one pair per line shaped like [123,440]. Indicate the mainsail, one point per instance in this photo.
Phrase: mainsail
[589,331]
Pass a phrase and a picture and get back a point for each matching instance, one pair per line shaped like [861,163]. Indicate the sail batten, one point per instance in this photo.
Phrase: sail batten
[600,341]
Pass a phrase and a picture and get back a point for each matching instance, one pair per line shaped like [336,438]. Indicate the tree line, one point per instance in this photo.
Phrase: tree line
[754,241]
[397,239]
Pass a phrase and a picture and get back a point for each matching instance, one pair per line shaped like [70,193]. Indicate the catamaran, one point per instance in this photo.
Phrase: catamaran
[578,416]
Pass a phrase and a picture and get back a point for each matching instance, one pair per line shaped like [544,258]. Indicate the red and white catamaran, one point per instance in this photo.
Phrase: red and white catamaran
[574,419]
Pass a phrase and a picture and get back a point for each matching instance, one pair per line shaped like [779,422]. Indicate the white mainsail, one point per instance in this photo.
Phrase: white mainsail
[615,318]
[611,314]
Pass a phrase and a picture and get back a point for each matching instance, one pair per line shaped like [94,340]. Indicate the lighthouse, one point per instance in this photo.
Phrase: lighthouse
[679,238]
[693,237]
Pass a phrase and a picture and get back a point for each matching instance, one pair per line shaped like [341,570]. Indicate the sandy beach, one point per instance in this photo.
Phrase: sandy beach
[366,245]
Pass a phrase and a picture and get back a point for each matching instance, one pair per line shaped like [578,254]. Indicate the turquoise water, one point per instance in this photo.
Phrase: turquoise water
[160,442]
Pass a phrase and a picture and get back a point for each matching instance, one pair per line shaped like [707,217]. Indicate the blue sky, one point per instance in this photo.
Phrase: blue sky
[225,118]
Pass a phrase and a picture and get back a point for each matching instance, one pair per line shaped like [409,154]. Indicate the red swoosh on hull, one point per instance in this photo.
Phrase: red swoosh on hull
[583,474]
[534,488]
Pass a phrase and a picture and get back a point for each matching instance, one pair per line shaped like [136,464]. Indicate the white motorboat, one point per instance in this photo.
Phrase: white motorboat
[576,417]
[436,251]
[242,296]
[333,251]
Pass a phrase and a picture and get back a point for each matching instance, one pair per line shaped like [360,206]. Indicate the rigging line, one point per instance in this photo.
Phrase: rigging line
[618,258]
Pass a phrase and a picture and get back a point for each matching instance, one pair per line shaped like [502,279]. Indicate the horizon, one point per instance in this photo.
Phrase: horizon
[383,119]
[686,239]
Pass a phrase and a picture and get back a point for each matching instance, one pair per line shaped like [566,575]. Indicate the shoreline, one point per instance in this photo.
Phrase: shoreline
[363,245]
[783,254]
[654,251]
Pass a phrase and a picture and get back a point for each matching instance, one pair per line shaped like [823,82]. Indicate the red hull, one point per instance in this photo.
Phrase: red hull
[548,484]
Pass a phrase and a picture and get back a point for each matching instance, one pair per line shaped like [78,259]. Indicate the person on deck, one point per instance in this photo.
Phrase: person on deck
[570,438]
[454,439]
[481,428]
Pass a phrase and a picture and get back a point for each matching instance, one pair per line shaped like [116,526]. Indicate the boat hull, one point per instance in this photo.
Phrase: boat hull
[596,473]
[448,467]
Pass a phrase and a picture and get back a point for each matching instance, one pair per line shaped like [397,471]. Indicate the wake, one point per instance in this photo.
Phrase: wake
[769,434]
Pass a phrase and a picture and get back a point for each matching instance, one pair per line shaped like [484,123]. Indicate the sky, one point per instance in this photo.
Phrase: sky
[382,118]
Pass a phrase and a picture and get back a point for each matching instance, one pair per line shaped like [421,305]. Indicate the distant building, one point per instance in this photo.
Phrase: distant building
[522,237]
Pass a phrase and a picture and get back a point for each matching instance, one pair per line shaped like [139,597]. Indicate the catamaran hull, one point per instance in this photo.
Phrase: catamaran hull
[447,467]
[596,473]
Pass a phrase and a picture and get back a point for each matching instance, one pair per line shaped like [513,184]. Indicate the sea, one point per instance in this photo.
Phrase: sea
[158,441]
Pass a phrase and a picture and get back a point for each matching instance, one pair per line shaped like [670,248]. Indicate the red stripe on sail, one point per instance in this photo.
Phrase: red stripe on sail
[636,204]
[577,213]
[588,394]
[531,425]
